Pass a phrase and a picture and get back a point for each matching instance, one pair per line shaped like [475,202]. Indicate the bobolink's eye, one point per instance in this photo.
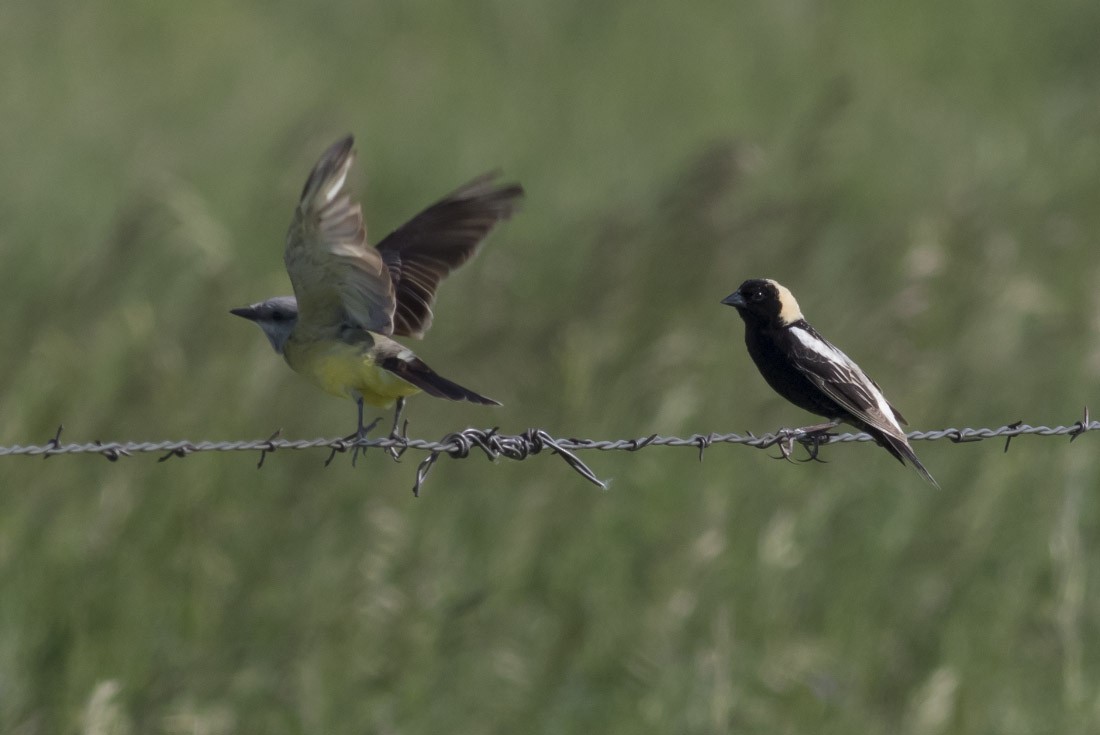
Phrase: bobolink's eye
[757,295]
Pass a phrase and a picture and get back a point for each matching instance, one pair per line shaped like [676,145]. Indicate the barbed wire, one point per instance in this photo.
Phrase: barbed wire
[495,445]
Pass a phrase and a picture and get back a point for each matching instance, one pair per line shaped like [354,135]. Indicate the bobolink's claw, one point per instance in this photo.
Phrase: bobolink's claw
[814,437]
[784,439]
[813,443]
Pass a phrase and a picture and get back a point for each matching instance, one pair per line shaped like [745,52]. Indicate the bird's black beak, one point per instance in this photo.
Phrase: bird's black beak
[245,312]
[735,300]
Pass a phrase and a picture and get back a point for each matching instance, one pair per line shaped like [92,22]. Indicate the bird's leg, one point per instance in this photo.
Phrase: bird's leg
[361,431]
[816,428]
[395,434]
[359,436]
[809,436]
[397,411]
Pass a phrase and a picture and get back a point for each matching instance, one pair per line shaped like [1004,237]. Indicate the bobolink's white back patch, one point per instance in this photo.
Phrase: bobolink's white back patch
[789,313]
[821,347]
[846,371]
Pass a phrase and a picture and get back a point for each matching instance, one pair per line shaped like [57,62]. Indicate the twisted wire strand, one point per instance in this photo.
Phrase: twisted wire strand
[493,444]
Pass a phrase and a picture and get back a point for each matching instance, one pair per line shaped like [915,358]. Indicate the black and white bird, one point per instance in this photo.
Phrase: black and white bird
[810,372]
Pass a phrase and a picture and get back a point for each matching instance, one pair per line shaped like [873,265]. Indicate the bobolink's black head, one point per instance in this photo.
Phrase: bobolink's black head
[765,303]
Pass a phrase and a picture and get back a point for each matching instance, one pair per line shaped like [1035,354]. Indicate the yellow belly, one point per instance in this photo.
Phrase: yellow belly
[347,370]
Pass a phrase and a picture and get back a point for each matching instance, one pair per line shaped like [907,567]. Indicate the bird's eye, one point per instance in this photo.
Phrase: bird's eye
[757,296]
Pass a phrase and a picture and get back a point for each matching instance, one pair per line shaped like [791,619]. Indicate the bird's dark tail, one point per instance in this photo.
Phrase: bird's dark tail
[417,372]
[899,447]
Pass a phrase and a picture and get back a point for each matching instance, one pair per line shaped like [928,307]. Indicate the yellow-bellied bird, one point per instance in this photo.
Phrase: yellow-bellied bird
[351,299]
[807,370]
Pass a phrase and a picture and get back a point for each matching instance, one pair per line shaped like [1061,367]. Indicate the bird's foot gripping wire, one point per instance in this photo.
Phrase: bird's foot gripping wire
[360,436]
[400,438]
[810,437]
[357,441]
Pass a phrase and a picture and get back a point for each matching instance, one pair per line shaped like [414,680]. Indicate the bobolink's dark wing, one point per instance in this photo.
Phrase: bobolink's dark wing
[836,375]
[843,381]
[420,253]
[335,275]
[897,414]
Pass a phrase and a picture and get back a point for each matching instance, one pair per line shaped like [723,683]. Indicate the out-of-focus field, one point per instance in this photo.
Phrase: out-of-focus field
[926,179]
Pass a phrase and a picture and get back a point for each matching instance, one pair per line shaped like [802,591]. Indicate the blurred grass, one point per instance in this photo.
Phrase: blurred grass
[925,179]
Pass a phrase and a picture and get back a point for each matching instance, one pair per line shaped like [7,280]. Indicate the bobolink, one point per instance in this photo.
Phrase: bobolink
[807,370]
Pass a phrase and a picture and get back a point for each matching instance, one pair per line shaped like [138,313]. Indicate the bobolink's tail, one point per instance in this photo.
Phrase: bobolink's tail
[899,447]
[416,371]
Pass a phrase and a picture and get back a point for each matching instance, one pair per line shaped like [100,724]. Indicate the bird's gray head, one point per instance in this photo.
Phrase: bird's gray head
[276,317]
[765,302]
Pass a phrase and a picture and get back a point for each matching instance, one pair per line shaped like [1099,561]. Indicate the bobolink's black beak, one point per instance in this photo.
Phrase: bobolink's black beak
[735,300]
[245,312]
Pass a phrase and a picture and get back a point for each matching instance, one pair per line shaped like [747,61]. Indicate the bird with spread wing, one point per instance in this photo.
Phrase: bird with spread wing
[350,300]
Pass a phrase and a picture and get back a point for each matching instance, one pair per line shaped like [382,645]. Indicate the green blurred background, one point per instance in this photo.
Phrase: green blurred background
[925,177]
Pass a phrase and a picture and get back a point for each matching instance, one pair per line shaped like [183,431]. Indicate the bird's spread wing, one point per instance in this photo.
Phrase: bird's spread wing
[843,381]
[336,276]
[420,253]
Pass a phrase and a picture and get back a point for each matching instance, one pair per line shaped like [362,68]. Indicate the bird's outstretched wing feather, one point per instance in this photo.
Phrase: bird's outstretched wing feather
[336,276]
[420,253]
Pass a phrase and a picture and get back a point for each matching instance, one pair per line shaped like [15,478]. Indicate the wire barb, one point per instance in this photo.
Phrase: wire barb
[180,451]
[1010,437]
[1082,426]
[269,448]
[703,443]
[495,445]
[54,443]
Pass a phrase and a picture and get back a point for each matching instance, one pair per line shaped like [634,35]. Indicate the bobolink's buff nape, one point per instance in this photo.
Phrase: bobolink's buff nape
[810,372]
